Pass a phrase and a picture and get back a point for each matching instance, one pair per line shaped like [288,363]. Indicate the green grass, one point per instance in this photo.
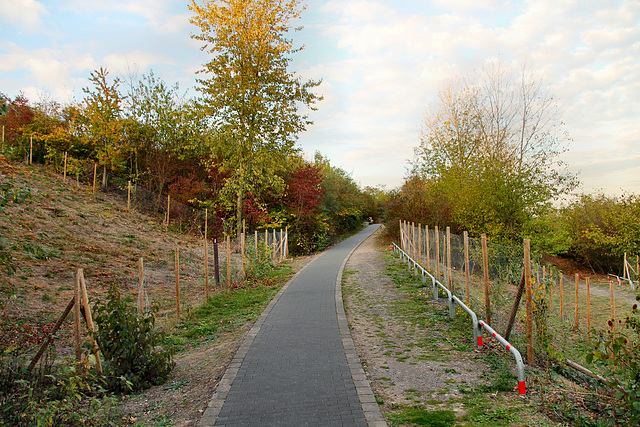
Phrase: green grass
[417,416]
[227,310]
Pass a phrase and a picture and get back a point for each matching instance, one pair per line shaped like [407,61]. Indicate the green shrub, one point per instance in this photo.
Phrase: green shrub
[618,354]
[129,344]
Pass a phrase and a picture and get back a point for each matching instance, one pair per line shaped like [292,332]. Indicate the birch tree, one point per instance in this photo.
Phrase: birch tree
[248,91]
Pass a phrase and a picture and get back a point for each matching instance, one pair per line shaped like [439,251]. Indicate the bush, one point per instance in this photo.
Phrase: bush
[618,353]
[129,344]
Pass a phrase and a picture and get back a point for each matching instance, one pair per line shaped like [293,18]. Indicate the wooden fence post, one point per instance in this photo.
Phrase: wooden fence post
[577,323]
[216,263]
[166,225]
[613,305]
[588,310]
[467,273]
[419,243]
[177,268]
[206,255]
[95,171]
[485,272]
[437,253]
[401,235]
[128,195]
[426,238]
[140,286]
[561,286]
[89,320]
[76,295]
[31,151]
[527,278]
[228,261]
[449,278]
[64,176]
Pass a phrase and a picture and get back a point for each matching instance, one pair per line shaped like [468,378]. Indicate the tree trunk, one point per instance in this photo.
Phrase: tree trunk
[104,177]
[239,212]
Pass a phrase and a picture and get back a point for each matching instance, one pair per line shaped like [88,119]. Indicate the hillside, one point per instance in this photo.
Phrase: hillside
[60,227]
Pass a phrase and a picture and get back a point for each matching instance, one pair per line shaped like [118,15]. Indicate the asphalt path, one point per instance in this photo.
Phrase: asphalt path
[298,366]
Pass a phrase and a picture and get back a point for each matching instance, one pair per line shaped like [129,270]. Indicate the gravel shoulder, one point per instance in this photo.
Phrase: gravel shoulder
[413,355]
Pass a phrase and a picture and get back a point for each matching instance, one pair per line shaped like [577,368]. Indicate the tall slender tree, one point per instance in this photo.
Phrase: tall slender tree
[248,91]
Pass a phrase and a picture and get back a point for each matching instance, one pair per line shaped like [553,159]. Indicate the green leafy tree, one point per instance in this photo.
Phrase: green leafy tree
[249,93]
[104,122]
[491,148]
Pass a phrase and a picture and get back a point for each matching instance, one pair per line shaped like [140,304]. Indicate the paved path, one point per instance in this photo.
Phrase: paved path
[298,366]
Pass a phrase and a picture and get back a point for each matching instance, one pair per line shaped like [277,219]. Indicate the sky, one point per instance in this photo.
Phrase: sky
[382,63]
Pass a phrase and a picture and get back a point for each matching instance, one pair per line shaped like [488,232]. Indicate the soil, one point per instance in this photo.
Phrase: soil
[400,368]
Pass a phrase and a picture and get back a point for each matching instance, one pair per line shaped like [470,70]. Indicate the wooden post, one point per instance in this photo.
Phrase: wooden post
[216,263]
[550,282]
[467,273]
[51,334]
[128,195]
[449,278]
[485,272]
[228,261]
[281,245]
[140,286]
[275,246]
[206,256]
[625,268]
[76,295]
[286,242]
[89,320]
[437,253]
[426,238]
[31,150]
[588,309]
[527,278]
[613,305]
[95,171]
[255,244]
[242,243]
[577,323]
[561,286]
[419,243]
[64,176]
[177,268]
[166,225]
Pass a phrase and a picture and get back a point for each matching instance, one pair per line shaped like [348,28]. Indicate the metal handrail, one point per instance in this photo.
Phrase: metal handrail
[477,325]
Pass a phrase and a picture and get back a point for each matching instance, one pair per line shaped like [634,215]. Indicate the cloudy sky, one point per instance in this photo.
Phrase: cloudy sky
[382,63]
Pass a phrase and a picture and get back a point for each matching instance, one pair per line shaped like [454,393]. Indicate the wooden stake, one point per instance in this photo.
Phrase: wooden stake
[577,323]
[437,253]
[467,273]
[255,245]
[275,245]
[419,243]
[76,295]
[561,285]
[177,268]
[613,305]
[31,151]
[527,279]
[95,171]
[216,263]
[128,195]
[242,243]
[449,278]
[64,176]
[89,320]
[426,238]
[51,334]
[588,310]
[228,261]
[141,306]
[485,272]
[166,226]
[206,257]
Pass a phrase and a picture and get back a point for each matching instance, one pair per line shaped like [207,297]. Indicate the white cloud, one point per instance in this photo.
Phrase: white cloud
[23,14]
